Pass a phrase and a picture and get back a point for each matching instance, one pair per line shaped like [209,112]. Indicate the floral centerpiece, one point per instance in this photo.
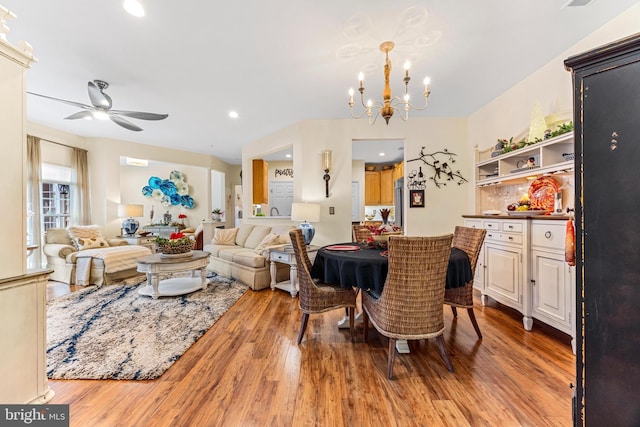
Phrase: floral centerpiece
[182,217]
[177,243]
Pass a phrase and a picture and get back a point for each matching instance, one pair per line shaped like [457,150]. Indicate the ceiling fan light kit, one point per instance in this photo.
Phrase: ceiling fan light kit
[387,106]
[100,108]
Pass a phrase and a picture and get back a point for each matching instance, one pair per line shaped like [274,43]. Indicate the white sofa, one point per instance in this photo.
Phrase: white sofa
[63,254]
[244,259]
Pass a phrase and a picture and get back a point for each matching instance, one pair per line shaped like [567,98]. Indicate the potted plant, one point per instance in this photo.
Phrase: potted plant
[216,214]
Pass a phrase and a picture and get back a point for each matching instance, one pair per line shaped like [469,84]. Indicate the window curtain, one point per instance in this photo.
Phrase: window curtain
[34,180]
[80,196]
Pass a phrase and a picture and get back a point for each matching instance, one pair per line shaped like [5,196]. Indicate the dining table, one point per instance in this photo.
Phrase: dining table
[356,265]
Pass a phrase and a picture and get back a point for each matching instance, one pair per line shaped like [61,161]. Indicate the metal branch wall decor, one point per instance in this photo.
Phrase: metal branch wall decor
[442,172]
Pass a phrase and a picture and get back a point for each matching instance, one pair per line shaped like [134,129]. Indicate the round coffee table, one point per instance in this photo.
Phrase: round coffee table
[154,265]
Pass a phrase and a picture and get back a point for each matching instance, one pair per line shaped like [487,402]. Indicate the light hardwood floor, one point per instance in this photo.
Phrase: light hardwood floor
[248,371]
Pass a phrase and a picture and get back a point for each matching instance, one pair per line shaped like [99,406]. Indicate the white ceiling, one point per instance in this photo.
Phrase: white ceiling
[279,61]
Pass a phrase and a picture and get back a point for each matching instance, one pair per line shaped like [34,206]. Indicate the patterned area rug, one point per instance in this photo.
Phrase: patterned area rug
[114,333]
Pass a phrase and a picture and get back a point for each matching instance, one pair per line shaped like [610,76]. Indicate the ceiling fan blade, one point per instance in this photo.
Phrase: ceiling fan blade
[80,115]
[75,104]
[98,98]
[124,123]
[140,115]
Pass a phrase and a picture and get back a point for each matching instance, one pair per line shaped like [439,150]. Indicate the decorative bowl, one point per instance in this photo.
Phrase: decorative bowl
[169,249]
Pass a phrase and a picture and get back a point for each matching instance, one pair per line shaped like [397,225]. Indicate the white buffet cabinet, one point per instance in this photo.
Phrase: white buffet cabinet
[522,266]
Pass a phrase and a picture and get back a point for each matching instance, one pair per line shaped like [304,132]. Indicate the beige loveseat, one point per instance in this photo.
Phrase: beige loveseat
[242,253]
[104,260]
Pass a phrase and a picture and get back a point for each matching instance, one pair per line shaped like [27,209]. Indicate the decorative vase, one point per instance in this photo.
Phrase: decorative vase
[385,215]
[216,216]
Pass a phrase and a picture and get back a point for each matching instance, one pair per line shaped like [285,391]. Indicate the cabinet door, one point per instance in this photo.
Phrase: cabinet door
[260,182]
[550,284]
[478,278]
[371,188]
[386,187]
[504,274]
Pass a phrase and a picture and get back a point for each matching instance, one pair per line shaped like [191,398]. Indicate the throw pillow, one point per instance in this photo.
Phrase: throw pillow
[224,236]
[90,243]
[84,232]
[268,240]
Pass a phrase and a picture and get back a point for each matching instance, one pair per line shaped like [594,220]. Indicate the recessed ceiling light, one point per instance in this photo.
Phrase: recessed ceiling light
[288,156]
[134,7]
[380,154]
[233,114]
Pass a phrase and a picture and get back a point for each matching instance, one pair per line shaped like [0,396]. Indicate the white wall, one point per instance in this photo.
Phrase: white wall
[510,113]
[109,185]
[444,206]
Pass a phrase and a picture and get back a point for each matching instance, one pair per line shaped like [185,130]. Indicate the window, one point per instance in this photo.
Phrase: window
[56,196]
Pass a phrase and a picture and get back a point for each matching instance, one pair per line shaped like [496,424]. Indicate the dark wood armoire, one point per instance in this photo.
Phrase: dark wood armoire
[607,141]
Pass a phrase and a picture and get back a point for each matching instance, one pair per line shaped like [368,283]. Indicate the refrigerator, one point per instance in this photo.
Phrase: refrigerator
[398,200]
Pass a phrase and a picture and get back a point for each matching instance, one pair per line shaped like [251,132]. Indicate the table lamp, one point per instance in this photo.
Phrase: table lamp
[306,212]
[130,225]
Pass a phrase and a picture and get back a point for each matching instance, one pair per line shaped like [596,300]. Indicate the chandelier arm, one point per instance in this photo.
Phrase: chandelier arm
[357,116]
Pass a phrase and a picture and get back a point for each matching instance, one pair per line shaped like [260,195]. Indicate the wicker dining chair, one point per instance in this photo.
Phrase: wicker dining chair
[410,305]
[360,233]
[469,240]
[317,297]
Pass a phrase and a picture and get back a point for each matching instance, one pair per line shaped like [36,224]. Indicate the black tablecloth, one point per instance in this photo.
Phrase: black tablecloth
[367,269]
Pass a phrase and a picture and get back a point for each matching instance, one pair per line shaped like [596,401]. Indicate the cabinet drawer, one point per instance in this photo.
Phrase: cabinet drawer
[548,235]
[491,225]
[504,237]
[512,226]
[281,257]
[473,223]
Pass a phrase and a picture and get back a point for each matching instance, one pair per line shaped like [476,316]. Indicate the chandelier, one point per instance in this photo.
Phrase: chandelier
[387,106]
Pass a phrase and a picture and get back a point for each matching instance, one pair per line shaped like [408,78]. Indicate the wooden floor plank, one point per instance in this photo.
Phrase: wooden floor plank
[248,370]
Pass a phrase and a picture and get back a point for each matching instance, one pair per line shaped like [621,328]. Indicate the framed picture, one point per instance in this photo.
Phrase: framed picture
[416,199]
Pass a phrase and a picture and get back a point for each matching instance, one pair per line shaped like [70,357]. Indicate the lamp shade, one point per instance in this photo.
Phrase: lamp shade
[309,212]
[130,225]
[125,211]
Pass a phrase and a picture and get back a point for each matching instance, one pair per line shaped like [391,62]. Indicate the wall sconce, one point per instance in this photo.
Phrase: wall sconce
[326,166]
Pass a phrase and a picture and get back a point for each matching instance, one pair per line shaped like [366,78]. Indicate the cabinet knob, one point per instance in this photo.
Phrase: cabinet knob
[510,238]
[490,235]
[510,227]
[547,234]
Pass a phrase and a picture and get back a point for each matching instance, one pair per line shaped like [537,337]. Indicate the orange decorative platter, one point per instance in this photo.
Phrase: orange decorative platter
[542,193]
[343,248]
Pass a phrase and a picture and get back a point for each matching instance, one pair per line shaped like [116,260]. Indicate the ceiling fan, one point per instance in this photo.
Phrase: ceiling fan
[100,108]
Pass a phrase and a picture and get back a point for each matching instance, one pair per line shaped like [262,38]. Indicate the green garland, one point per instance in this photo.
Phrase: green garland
[510,146]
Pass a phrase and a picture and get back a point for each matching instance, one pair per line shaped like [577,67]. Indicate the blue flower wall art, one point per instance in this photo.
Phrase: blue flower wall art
[169,192]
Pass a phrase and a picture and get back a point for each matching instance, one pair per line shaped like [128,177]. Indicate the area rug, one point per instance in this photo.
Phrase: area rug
[114,333]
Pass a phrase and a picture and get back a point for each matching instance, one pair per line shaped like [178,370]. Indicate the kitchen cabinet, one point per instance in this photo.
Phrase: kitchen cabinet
[551,156]
[606,103]
[260,182]
[378,187]
[398,171]
[371,188]
[386,187]
[522,266]
[552,279]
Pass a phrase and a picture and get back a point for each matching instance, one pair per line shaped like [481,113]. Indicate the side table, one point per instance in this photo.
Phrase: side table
[287,256]
[146,241]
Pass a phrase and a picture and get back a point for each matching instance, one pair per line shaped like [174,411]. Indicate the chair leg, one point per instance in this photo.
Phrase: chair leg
[443,353]
[454,311]
[365,325]
[352,321]
[303,326]
[472,316]
[392,356]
